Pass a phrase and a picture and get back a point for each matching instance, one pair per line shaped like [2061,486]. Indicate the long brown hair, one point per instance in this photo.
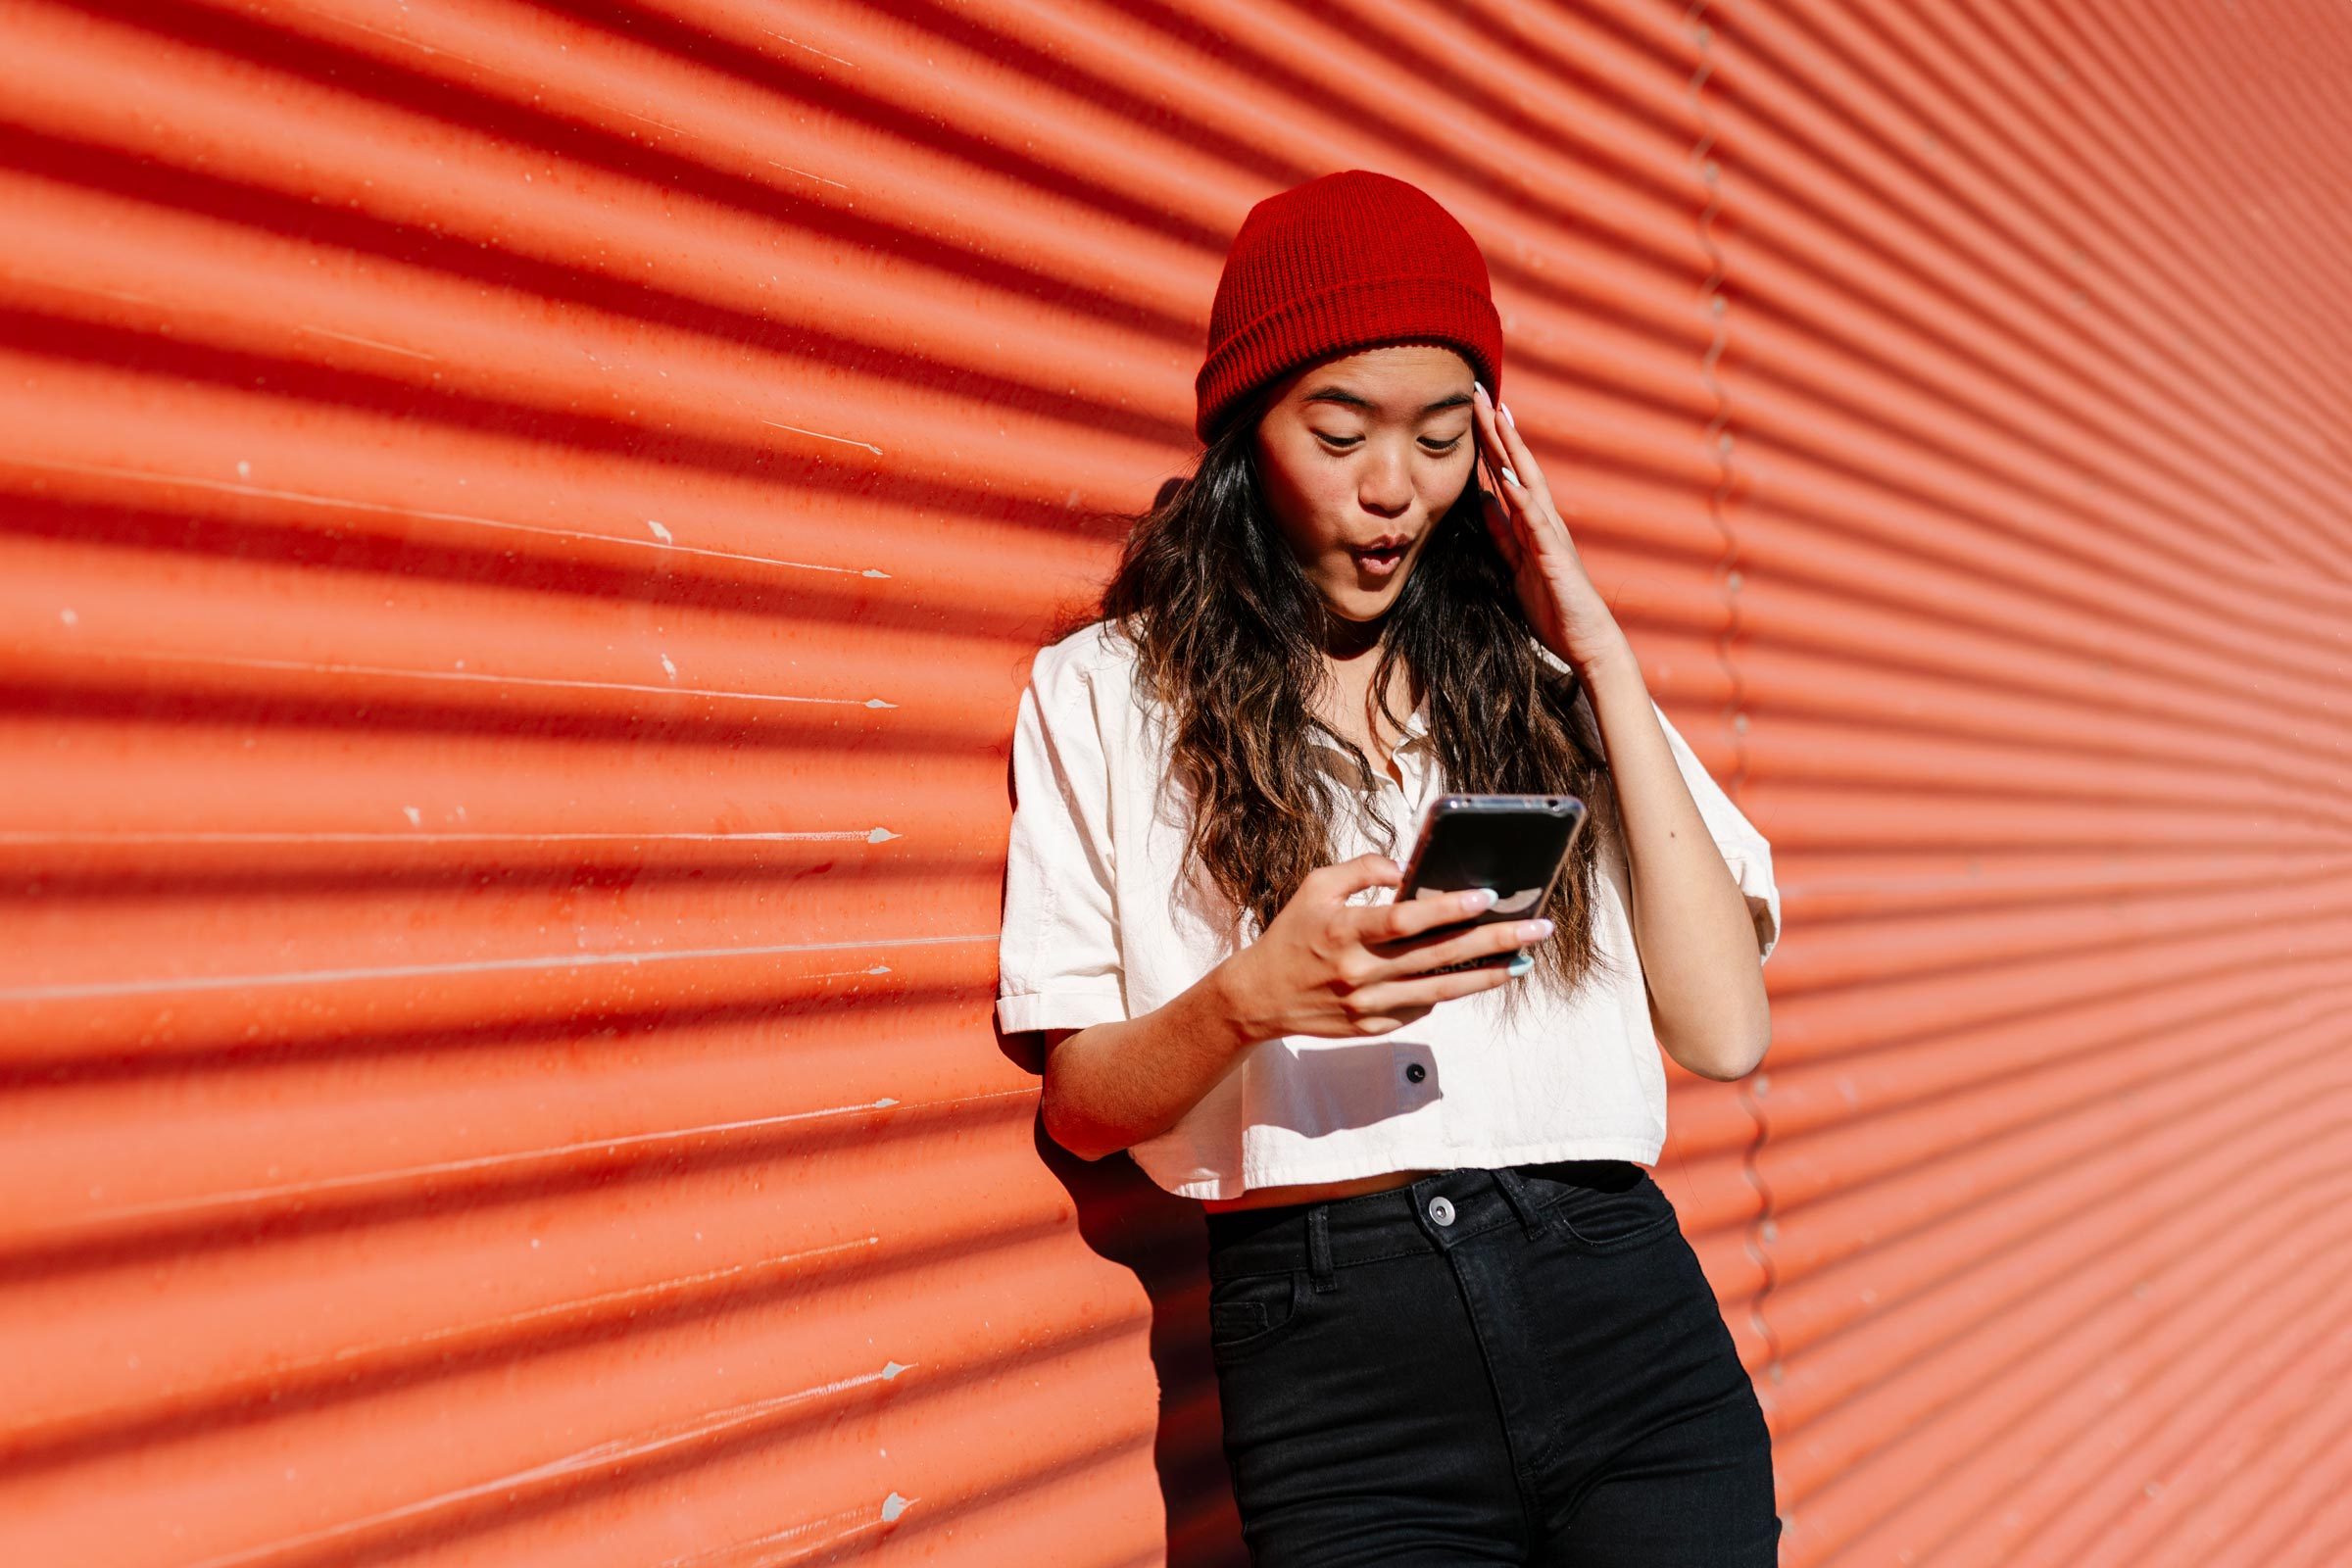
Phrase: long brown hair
[1230,632]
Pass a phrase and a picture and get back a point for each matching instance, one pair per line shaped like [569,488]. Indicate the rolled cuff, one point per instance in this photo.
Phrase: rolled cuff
[1753,873]
[1022,1011]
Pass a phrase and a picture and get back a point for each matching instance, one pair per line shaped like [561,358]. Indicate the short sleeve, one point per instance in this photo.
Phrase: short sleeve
[1057,956]
[1744,849]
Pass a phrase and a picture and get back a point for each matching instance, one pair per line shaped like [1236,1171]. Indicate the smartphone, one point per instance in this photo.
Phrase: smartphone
[1518,845]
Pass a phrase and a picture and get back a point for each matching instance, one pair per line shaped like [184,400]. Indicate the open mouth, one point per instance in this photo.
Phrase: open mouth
[1378,561]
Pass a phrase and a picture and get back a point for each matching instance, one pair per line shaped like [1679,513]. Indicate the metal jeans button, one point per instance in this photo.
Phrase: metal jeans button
[1441,1211]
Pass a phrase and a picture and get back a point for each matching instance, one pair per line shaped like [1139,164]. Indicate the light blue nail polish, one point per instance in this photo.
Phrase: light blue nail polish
[1520,965]
[1508,475]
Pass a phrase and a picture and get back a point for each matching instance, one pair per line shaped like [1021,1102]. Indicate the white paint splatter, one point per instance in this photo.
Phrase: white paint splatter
[845,440]
[661,533]
[368,343]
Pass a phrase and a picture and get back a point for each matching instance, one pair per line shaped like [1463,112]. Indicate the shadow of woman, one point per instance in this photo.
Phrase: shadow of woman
[1162,1240]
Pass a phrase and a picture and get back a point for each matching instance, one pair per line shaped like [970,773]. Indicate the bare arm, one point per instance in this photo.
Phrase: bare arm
[1115,1084]
[1691,921]
[1323,967]
[1698,943]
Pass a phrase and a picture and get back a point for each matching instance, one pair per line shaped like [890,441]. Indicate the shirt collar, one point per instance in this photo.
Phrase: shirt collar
[1416,730]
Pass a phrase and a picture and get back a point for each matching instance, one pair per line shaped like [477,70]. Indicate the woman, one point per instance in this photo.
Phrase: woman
[1453,1319]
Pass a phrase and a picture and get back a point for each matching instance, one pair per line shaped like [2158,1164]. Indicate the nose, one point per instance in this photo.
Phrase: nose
[1385,487]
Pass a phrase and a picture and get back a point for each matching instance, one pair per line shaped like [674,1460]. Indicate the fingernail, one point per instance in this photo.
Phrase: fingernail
[1504,409]
[1478,898]
[1481,389]
[1534,930]
[1513,477]
[1520,965]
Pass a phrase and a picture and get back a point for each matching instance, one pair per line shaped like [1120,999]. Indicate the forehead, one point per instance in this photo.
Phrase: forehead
[1404,381]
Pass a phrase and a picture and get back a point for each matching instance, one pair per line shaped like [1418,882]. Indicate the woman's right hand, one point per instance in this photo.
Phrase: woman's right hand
[1325,966]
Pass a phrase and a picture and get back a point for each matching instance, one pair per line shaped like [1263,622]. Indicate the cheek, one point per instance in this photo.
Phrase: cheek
[1330,500]
[1446,480]
[1305,502]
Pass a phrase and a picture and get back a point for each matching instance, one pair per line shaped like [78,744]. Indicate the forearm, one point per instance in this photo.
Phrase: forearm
[1691,922]
[1114,1085]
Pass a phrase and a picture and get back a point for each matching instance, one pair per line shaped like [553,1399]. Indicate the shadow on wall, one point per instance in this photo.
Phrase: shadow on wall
[1161,1238]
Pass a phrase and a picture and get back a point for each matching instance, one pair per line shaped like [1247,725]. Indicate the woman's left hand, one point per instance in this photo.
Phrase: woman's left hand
[1561,603]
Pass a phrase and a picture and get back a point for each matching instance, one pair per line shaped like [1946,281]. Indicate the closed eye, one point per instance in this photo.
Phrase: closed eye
[1350,443]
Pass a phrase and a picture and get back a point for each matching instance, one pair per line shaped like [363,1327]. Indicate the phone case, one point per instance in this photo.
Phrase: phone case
[1518,845]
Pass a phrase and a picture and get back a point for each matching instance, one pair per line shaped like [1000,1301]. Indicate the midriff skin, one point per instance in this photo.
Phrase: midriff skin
[1317,1191]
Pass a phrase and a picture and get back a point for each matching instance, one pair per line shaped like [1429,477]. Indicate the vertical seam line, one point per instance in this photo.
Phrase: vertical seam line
[1720,444]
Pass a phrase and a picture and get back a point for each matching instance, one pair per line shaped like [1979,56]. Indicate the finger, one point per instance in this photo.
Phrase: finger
[1410,917]
[1511,450]
[1506,498]
[1425,991]
[1394,1018]
[1345,880]
[1494,443]
[1436,952]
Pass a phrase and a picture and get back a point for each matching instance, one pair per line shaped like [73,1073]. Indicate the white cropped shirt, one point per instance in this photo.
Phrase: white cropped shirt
[1097,927]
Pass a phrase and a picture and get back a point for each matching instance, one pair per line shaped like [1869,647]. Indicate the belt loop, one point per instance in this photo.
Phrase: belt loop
[1514,1193]
[1318,1248]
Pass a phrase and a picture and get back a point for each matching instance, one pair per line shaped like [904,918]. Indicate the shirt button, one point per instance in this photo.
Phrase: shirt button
[1414,1072]
[1440,1210]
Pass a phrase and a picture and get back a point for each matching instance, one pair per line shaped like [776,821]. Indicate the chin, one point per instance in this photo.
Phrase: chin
[1357,605]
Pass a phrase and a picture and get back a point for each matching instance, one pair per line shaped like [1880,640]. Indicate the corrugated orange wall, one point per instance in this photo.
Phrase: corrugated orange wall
[521,522]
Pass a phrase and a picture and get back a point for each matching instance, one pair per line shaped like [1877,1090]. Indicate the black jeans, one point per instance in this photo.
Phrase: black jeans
[1520,1366]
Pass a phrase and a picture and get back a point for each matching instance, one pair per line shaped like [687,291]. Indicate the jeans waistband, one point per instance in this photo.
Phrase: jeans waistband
[1427,1215]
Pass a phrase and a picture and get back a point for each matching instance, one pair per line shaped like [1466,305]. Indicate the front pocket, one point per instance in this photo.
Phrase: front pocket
[1601,1221]
[1251,1311]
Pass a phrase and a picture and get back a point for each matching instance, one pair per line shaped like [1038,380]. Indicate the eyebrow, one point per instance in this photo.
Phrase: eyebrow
[1357,400]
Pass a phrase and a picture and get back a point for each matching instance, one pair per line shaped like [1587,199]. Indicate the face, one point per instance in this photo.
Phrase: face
[1360,457]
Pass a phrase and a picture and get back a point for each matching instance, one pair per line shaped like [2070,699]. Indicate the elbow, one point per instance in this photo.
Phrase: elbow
[1750,1056]
[1072,1129]
[1738,1049]
[1729,1058]
[1735,1068]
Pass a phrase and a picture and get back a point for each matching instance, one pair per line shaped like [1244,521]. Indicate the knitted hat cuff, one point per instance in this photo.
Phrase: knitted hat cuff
[1366,314]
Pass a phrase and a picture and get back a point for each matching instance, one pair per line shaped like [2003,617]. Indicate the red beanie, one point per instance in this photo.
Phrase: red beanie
[1341,262]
